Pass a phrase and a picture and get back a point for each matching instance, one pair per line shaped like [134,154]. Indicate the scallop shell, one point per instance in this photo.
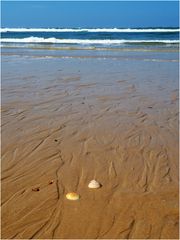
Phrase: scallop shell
[94,184]
[72,196]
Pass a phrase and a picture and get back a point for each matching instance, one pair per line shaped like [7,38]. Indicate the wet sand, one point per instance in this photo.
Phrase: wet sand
[72,120]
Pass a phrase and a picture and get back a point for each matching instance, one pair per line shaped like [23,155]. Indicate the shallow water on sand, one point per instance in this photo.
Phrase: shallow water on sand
[73,119]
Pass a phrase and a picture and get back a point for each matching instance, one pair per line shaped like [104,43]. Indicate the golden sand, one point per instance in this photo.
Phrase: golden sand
[60,135]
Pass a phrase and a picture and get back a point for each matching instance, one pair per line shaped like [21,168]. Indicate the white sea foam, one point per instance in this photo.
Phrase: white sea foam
[82,41]
[89,30]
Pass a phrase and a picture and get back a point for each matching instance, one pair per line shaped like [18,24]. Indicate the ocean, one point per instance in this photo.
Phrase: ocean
[91,38]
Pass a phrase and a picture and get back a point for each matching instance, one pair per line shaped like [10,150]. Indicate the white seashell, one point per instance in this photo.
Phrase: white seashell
[72,196]
[94,184]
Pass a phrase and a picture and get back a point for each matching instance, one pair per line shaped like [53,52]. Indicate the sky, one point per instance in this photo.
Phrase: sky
[89,14]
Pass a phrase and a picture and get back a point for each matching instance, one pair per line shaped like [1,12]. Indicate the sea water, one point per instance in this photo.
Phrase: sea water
[101,37]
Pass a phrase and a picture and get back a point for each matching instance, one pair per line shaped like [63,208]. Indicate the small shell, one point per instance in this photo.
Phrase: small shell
[51,182]
[94,184]
[37,189]
[72,196]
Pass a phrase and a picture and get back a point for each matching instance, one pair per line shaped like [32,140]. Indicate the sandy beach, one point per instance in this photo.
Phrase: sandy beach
[69,120]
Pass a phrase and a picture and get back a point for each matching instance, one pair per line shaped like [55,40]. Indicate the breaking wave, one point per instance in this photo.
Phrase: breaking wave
[89,30]
[82,41]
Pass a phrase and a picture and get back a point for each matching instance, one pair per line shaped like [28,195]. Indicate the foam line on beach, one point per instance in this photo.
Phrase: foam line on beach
[89,30]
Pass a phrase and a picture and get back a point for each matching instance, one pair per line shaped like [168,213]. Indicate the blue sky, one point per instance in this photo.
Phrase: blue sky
[89,14]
